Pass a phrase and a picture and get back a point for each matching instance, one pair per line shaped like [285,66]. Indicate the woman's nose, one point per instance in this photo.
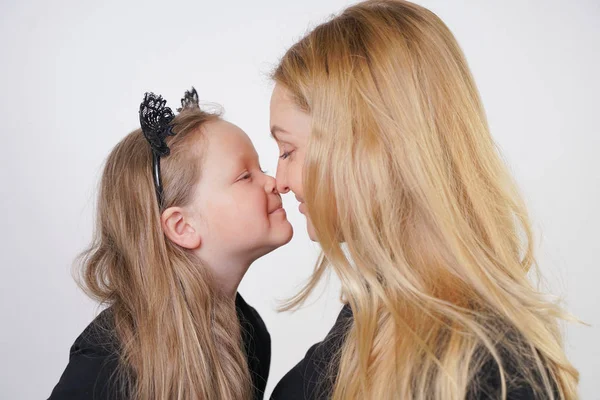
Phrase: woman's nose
[281,182]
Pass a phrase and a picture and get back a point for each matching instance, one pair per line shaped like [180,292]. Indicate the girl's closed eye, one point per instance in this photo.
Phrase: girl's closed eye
[246,176]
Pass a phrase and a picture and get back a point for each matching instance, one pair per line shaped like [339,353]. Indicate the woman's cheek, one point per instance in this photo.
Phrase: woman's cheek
[297,174]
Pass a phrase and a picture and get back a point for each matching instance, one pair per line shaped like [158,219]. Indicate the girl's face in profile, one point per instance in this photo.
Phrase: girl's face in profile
[235,214]
[290,126]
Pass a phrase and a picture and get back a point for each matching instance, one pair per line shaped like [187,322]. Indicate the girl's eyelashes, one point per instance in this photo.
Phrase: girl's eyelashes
[247,175]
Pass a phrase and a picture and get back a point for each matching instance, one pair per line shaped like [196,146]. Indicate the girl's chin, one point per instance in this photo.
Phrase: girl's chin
[285,233]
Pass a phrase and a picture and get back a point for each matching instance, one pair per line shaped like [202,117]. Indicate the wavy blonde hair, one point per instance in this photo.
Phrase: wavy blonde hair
[401,167]
[179,338]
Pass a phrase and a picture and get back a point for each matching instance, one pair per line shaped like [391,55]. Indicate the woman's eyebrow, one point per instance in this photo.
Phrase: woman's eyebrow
[275,130]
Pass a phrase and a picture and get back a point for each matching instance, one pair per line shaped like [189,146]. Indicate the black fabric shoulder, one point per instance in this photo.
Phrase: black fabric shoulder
[257,344]
[313,377]
[487,383]
[249,314]
[92,371]
[100,335]
[93,363]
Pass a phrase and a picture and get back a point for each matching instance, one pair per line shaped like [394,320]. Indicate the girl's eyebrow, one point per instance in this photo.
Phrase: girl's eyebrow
[245,159]
[238,163]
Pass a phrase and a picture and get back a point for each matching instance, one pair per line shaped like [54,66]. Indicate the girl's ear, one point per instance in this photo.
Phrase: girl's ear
[178,228]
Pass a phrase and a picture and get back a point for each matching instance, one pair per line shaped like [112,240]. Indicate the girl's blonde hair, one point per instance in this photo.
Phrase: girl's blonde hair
[401,167]
[178,337]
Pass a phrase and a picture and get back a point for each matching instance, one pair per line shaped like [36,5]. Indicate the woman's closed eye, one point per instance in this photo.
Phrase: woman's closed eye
[286,154]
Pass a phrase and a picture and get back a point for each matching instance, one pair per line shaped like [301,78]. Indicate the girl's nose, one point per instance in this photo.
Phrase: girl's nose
[270,184]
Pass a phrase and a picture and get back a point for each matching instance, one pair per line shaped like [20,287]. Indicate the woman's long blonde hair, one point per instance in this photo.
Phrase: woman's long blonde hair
[178,337]
[401,167]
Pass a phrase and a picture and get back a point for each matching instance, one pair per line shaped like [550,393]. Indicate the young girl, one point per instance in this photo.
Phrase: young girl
[184,209]
[383,139]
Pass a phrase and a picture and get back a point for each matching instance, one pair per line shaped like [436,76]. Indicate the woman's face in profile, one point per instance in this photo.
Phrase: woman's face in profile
[290,126]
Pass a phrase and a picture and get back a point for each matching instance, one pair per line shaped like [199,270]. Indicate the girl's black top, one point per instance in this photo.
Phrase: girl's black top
[93,358]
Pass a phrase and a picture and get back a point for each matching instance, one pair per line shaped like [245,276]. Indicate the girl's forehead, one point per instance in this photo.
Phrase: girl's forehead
[227,143]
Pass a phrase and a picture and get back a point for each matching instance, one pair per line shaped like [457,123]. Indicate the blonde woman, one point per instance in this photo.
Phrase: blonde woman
[384,142]
[184,209]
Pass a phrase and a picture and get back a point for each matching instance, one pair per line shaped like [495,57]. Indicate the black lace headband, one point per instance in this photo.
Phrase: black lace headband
[155,120]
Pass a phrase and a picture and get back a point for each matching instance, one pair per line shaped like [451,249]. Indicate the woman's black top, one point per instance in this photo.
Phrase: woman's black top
[93,358]
[314,376]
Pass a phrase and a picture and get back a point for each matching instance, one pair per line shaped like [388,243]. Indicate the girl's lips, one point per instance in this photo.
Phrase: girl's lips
[278,209]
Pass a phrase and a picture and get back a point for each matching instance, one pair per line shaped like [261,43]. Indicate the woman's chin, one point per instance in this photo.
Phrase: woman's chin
[311,231]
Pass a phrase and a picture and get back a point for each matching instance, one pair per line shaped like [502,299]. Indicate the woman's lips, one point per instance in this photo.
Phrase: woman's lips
[302,208]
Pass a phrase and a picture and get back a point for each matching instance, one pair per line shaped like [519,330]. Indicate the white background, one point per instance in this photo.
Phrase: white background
[72,74]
